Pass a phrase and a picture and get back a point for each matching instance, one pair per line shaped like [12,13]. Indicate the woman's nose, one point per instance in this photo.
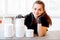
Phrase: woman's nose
[36,11]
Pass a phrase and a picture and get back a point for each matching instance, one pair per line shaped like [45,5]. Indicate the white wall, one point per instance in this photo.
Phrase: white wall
[15,7]
[55,24]
[52,7]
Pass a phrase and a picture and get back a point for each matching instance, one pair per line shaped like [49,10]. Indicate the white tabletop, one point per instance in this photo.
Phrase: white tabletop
[49,36]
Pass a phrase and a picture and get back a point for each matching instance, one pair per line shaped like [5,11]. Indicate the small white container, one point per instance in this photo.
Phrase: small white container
[29,33]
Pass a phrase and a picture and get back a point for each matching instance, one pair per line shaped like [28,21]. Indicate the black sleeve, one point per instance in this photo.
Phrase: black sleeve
[27,21]
[43,21]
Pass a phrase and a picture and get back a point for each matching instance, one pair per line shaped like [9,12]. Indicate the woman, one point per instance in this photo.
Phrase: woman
[38,20]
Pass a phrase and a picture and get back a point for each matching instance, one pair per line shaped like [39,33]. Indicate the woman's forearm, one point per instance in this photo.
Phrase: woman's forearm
[41,30]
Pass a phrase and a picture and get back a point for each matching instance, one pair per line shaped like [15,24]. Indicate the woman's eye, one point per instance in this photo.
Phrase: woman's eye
[34,8]
[39,9]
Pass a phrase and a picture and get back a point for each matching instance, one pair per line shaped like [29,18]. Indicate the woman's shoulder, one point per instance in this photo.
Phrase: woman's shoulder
[28,15]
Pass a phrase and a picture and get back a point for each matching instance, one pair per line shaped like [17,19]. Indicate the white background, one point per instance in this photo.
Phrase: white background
[24,7]
[16,7]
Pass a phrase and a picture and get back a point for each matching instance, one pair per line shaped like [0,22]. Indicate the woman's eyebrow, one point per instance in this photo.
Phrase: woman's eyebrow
[39,9]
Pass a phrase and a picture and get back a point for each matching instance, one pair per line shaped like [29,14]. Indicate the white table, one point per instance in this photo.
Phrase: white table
[51,35]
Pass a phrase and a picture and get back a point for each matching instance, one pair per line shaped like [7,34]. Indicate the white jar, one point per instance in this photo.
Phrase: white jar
[29,33]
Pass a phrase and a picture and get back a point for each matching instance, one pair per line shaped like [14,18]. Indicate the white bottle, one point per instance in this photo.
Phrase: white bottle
[19,26]
[8,30]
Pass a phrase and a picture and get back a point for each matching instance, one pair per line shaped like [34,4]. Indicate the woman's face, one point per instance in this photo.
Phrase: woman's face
[37,10]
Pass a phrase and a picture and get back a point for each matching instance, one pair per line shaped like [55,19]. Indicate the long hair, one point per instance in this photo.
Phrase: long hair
[45,16]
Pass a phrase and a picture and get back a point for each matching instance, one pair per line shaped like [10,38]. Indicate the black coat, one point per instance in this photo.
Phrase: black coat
[29,22]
